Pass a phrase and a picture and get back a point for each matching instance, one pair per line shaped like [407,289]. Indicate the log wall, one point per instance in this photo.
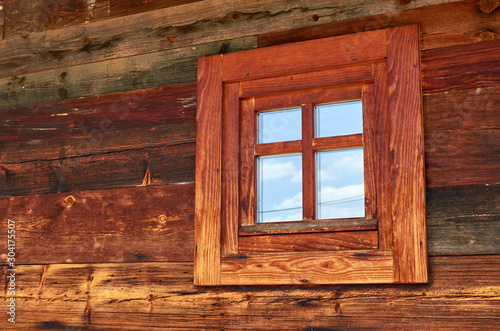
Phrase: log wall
[97,157]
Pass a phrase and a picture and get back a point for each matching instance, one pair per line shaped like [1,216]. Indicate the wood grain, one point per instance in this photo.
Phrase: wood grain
[462,130]
[283,59]
[462,294]
[347,224]
[230,169]
[461,67]
[406,145]
[328,77]
[208,171]
[341,267]
[108,123]
[166,165]
[169,28]
[315,96]
[283,147]
[338,142]
[308,164]
[434,21]
[122,225]
[177,66]
[247,193]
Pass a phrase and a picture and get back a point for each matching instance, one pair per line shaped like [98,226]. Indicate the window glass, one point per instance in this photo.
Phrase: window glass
[337,119]
[279,188]
[279,125]
[340,184]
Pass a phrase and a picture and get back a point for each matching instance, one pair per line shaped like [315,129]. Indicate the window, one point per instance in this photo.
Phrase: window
[310,165]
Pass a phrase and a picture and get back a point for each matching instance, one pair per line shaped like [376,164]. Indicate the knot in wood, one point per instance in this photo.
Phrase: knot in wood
[487,6]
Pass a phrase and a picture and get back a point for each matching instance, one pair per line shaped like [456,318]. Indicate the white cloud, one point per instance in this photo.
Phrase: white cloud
[339,164]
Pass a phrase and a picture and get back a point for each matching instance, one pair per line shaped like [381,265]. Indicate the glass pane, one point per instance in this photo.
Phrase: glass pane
[279,125]
[279,188]
[340,189]
[337,119]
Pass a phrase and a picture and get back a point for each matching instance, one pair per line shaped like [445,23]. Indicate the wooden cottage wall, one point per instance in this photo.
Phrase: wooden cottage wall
[97,156]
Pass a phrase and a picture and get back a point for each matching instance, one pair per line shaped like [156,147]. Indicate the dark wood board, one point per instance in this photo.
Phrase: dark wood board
[461,67]
[144,71]
[164,165]
[131,120]
[462,135]
[180,26]
[462,294]
[134,224]
[456,23]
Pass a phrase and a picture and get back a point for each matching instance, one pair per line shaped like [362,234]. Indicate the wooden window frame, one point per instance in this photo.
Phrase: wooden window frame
[230,249]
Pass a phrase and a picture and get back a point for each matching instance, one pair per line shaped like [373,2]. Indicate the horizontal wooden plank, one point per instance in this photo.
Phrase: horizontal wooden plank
[333,241]
[131,120]
[160,165]
[328,77]
[435,23]
[152,223]
[306,55]
[463,294]
[463,220]
[151,70]
[461,67]
[169,28]
[341,267]
[309,227]
[29,16]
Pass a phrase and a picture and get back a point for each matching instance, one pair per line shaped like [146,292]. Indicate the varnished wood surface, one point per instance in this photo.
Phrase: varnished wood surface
[151,294]
[294,268]
[208,171]
[407,159]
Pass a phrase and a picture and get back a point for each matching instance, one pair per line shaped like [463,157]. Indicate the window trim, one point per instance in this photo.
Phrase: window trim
[401,256]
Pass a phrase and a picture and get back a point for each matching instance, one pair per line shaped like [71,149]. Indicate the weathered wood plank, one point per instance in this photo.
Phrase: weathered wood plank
[174,27]
[120,225]
[461,220]
[29,16]
[151,70]
[464,219]
[463,294]
[461,67]
[144,118]
[2,19]
[164,165]
[445,25]
[462,134]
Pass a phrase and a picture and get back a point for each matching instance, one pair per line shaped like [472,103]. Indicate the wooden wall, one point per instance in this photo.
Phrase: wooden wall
[97,156]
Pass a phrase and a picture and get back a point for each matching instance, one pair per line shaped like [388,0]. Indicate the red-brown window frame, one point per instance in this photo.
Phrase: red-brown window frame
[385,65]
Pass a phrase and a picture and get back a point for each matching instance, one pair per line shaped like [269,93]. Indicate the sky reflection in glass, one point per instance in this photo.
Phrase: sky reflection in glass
[340,184]
[279,125]
[279,188]
[337,119]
